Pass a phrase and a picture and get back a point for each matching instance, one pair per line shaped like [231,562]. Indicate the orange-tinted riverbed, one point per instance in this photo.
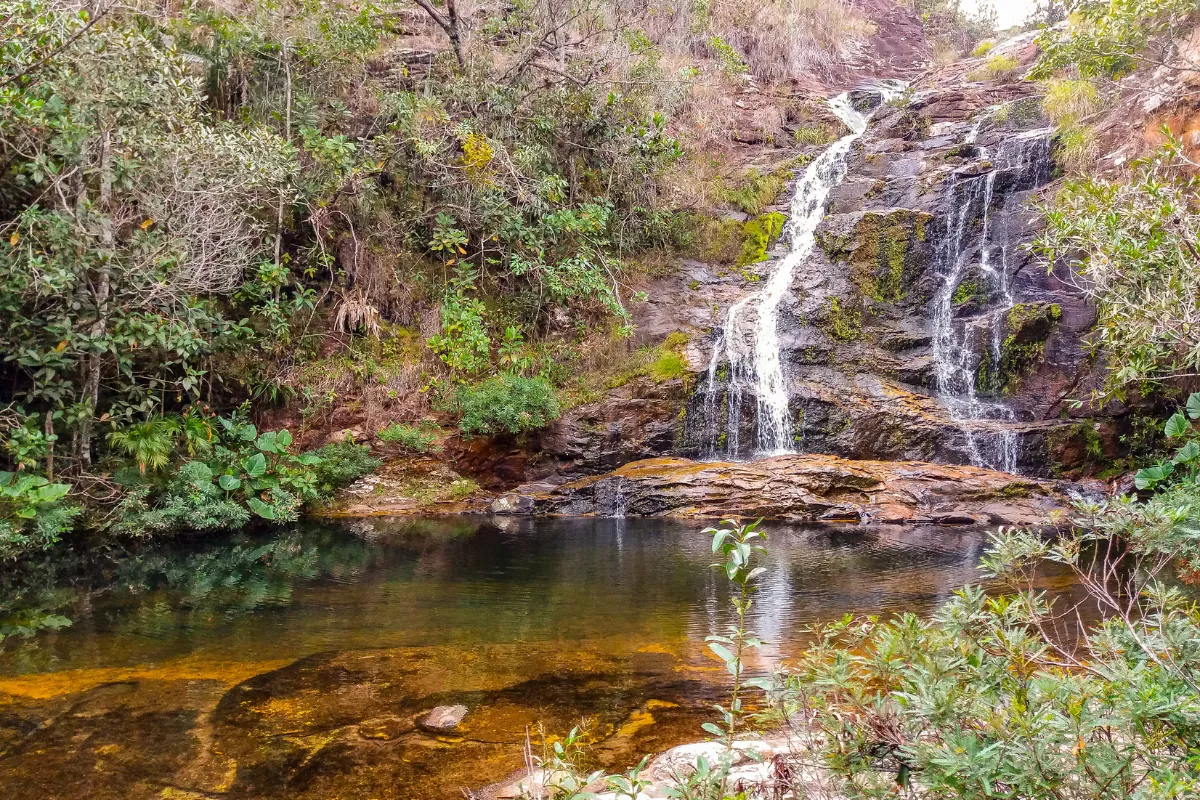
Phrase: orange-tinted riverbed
[292,666]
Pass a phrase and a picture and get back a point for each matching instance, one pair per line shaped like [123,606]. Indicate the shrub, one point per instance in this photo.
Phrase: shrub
[32,513]
[340,464]
[983,48]
[1068,101]
[999,67]
[408,436]
[506,404]
[1018,695]
[247,475]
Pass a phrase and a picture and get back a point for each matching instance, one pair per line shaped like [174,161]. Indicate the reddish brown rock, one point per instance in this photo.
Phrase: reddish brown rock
[803,487]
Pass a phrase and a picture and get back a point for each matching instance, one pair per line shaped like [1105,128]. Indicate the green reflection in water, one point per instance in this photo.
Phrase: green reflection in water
[293,665]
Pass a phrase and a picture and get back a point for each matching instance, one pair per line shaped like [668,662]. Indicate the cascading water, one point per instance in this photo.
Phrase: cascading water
[989,438]
[750,338]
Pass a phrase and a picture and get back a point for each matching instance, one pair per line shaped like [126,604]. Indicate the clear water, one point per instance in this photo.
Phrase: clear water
[290,666]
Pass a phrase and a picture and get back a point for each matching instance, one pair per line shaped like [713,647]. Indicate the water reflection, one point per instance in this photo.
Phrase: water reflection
[250,666]
[463,581]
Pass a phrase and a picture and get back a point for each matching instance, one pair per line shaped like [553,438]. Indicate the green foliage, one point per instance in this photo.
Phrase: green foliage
[1132,242]
[814,135]
[34,513]
[983,48]
[991,694]
[1110,38]
[150,443]
[670,365]
[756,191]
[731,61]
[969,291]
[245,475]
[128,211]
[506,404]
[409,436]
[1069,100]
[736,544]
[463,344]
[997,68]
[1184,467]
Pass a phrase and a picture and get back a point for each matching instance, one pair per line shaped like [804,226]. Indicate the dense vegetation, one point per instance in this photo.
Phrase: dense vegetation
[438,211]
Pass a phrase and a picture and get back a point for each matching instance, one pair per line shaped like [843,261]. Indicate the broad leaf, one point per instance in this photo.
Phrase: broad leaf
[1193,406]
[268,442]
[284,439]
[229,483]
[1177,425]
[260,508]
[256,465]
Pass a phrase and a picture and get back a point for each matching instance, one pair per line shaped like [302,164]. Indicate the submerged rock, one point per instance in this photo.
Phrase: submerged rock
[805,488]
[442,718]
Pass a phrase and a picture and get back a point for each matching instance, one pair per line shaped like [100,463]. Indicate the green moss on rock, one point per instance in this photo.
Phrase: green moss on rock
[885,252]
[1027,327]
[842,322]
[759,234]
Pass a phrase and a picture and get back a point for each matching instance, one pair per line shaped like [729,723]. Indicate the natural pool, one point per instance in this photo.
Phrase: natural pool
[292,665]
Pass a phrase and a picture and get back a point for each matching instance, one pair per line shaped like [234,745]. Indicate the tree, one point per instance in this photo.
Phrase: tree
[125,215]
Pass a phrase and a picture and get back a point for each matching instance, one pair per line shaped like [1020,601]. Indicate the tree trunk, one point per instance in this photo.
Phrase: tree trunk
[48,431]
[91,390]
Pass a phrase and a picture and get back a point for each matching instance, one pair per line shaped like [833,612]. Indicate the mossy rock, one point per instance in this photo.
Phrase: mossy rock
[759,234]
[1027,326]
[972,291]
[842,321]
[887,252]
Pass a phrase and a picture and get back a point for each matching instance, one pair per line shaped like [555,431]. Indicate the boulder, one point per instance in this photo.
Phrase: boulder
[442,718]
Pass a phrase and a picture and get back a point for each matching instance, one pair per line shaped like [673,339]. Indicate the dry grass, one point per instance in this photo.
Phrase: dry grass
[780,39]
[1069,100]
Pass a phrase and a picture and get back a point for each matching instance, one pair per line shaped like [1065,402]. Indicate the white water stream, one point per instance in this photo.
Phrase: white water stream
[750,340]
[988,434]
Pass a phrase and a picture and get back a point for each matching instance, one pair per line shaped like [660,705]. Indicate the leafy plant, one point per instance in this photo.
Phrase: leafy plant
[1131,243]
[506,404]
[737,544]
[991,696]
[33,514]
[149,443]
[1185,465]
[408,436]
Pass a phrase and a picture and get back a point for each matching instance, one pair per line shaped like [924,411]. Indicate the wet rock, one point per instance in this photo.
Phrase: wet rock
[442,718]
[385,728]
[812,487]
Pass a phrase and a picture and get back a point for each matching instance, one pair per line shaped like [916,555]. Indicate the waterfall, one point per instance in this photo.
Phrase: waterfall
[749,341]
[955,352]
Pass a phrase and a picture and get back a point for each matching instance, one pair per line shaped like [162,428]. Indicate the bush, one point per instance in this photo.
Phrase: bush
[983,48]
[1068,101]
[506,404]
[998,67]
[32,513]
[246,475]
[339,464]
[1002,695]
[407,436]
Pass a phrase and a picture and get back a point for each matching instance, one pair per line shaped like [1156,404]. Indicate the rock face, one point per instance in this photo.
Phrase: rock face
[800,488]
